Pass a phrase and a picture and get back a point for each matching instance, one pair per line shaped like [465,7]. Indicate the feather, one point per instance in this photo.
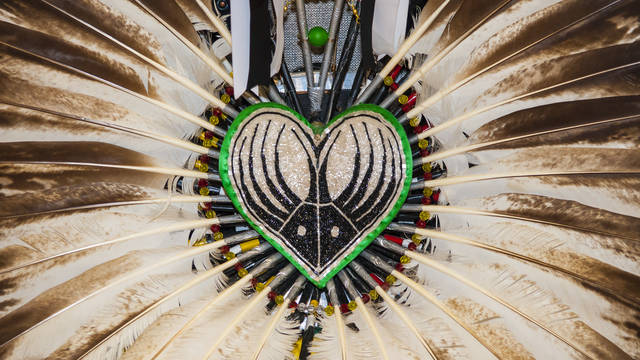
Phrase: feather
[184,297]
[61,156]
[535,303]
[328,344]
[266,348]
[406,320]
[360,340]
[609,122]
[469,17]
[369,319]
[560,52]
[33,62]
[192,43]
[532,250]
[44,316]
[26,123]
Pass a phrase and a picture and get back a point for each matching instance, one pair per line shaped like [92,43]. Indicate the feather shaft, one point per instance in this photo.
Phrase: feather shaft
[160,230]
[426,261]
[269,330]
[419,108]
[167,107]
[470,148]
[182,80]
[193,282]
[398,310]
[124,279]
[179,143]
[216,67]
[467,211]
[341,336]
[150,169]
[170,200]
[215,21]
[481,177]
[372,325]
[221,296]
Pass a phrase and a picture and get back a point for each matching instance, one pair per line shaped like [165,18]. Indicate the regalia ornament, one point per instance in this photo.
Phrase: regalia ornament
[319,180]
[319,196]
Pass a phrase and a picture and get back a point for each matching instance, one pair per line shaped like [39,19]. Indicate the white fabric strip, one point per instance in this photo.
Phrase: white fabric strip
[389,25]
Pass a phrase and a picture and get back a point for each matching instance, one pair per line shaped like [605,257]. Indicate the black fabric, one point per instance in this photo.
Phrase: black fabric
[260,50]
[366,24]
[415,8]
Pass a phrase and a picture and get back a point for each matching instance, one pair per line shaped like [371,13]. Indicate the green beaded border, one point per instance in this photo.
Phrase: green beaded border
[226,183]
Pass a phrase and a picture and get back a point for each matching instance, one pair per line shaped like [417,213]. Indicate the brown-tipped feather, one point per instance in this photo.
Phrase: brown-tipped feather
[528,31]
[466,18]
[196,15]
[109,20]
[79,95]
[547,118]
[571,214]
[72,151]
[81,58]
[70,197]
[174,15]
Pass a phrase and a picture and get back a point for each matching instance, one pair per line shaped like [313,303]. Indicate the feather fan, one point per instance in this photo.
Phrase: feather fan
[515,236]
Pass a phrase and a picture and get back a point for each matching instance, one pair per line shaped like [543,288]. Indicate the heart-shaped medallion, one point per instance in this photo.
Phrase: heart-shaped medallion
[318,195]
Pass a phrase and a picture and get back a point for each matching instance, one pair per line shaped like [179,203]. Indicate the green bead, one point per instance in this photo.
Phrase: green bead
[318,36]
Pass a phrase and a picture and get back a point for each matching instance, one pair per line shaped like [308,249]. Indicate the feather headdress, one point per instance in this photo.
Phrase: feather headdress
[143,217]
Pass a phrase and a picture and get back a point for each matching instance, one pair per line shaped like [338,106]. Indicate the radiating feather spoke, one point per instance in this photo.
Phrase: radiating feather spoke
[215,101]
[217,23]
[157,230]
[494,176]
[149,169]
[431,298]
[467,211]
[123,234]
[215,66]
[170,108]
[187,145]
[439,267]
[451,237]
[458,119]
[395,307]
[479,146]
